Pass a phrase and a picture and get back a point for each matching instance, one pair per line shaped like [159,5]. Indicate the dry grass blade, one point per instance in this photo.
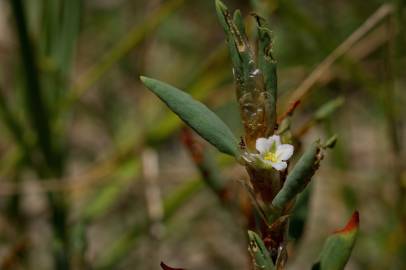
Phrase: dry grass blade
[381,13]
[77,185]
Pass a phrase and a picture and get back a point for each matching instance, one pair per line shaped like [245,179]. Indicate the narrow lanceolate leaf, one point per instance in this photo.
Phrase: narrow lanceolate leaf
[328,109]
[331,142]
[226,22]
[268,66]
[238,21]
[338,246]
[165,267]
[299,177]
[259,253]
[196,115]
[239,48]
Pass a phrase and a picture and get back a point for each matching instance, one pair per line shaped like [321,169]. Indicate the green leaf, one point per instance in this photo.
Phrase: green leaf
[259,253]
[331,142]
[249,75]
[298,179]
[299,217]
[268,65]
[69,32]
[239,22]
[239,48]
[338,246]
[328,109]
[196,115]
[226,22]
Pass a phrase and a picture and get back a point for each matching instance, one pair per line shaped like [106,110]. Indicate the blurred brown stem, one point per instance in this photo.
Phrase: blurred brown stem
[204,163]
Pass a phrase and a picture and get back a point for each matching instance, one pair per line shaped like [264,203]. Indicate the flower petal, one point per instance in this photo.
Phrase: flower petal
[279,165]
[284,152]
[276,139]
[263,145]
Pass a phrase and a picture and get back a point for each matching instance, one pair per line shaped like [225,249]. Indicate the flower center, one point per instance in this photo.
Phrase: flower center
[271,156]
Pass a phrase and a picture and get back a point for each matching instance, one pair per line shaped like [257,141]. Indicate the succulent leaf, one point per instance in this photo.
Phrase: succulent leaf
[338,246]
[299,177]
[300,215]
[259,253]
[239,22]
[328,108]
[227,24]
[196,115]
[331,142]
[268,66]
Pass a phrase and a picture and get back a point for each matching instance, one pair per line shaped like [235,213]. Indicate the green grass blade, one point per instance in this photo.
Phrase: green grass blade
[36,109]
[70,27]
[120,50]
[50,25]
[123,245]
[10,121]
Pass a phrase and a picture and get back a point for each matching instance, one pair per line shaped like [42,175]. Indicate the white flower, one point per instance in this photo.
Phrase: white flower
[273,154]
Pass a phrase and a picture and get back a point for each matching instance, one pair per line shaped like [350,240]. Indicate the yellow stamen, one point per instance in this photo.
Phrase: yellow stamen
[270,156]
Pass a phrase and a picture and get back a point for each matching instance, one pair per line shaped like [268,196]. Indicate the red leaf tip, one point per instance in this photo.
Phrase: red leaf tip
[165,267]
[352,224]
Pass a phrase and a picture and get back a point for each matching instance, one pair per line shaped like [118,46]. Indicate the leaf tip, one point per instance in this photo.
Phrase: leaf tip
[251,234]
[331,142]
[220,5]
[351,225]
[143,79]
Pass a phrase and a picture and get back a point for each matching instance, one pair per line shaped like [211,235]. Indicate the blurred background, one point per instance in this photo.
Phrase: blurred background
[96,173]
